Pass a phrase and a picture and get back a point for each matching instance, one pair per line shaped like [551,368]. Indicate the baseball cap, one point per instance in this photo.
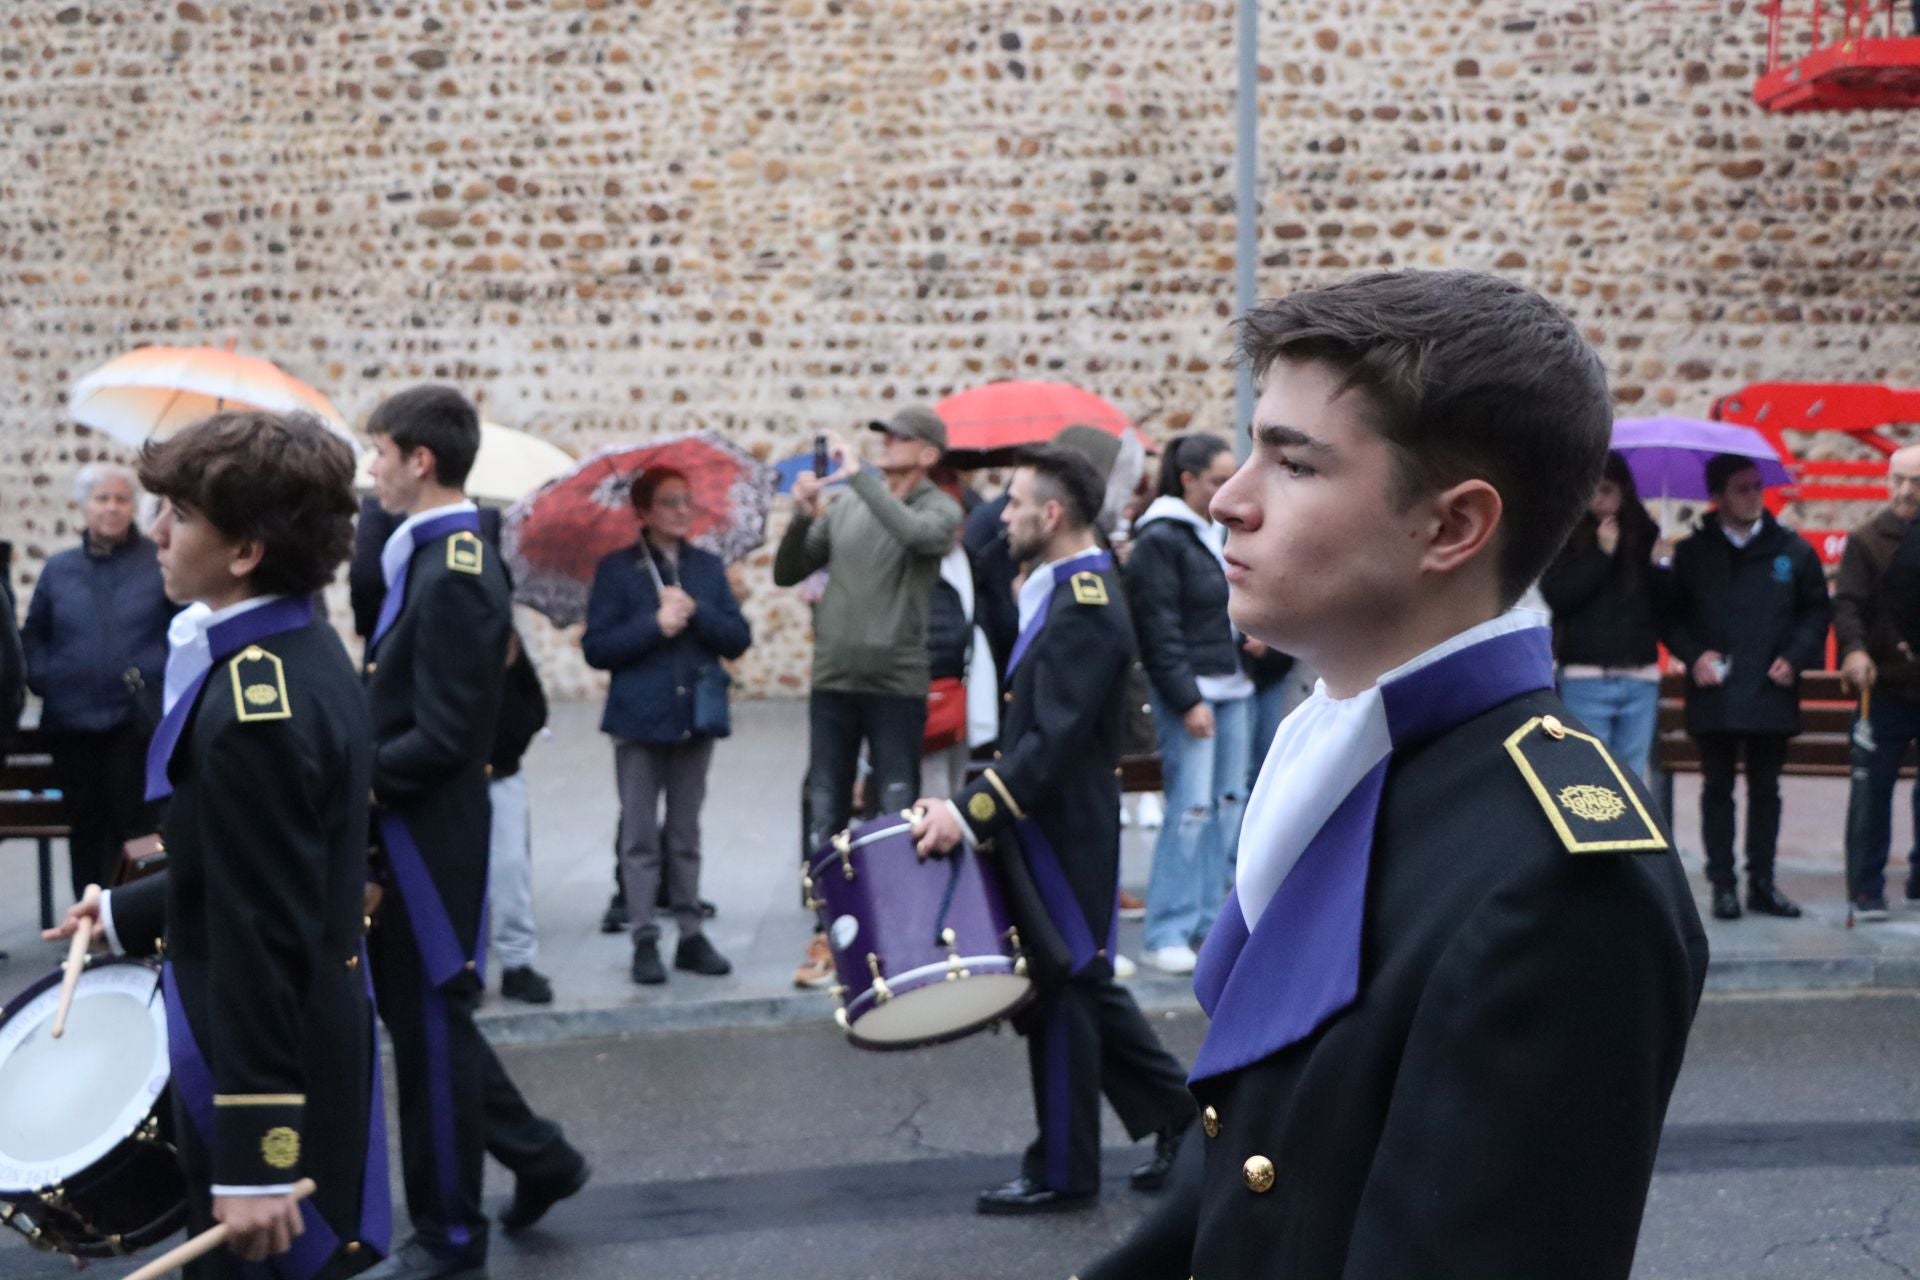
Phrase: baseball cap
[916,422]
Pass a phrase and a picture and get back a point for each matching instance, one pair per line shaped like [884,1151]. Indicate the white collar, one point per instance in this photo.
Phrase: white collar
[1321,753]
[1740,538]
[1168,507]
[189,652]
[399,548]
[1038,588]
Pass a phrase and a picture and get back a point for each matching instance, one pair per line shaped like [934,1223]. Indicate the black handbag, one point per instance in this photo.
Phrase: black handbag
[712,714]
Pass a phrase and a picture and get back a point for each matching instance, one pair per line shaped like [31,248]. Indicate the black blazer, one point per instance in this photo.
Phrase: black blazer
[434,684]
[1491,1103]
[260,908]
[1060,736]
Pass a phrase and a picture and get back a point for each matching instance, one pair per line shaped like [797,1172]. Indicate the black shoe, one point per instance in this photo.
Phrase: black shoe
[527,984]
[707,910]
[1870,908]
[1769,901]
[1726,904]
[1152,1175]
[414,1261]
[647,970]
[1025,1196]
[533,1197]
[615,918]
[1913,890]
[696,955]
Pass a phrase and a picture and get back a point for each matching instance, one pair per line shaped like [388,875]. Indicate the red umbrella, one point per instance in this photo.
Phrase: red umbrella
[1006,415]
[556,536]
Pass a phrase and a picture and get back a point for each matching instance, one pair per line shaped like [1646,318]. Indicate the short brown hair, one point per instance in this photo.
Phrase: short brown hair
[1467,376]
[283,479]
[648,483]
[1066,476]
[438,419]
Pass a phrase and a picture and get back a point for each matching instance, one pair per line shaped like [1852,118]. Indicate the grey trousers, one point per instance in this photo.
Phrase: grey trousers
[650,848]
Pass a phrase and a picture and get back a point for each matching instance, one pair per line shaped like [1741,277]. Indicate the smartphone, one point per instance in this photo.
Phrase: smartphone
[821,462]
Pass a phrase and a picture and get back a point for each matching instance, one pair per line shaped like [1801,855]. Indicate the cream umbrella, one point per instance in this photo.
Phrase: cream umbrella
[152,392]
[511,464]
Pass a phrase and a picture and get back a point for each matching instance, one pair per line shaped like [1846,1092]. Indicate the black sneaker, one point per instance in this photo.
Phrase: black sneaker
[1764,898]
[647,969]
[1726,904]
[615,919]
[1871,908]
[526,984]
[696,955]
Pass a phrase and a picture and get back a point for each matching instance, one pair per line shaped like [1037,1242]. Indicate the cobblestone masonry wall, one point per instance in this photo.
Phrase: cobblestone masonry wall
[611,219]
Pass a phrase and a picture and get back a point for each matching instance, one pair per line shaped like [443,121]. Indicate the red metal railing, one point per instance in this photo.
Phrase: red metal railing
[1824,22]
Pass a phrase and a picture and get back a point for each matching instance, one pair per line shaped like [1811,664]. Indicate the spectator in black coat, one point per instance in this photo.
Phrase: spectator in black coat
[1749,612]
[1602,590]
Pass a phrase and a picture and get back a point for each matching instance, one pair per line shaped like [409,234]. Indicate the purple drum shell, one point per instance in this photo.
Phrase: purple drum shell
[889,909]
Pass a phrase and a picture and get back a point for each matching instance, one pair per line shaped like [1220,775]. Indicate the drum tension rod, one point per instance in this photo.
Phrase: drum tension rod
[955,970]
[1019,956]
[843,845]
[881,991]
[810,902]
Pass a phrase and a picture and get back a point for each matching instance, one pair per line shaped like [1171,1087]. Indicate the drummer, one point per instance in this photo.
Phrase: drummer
[1051,805]
[265,749]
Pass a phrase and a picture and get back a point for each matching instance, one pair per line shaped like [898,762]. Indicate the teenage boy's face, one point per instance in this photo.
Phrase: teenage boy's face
[1319,561]
[196,559]
[1744,497]
[394,484]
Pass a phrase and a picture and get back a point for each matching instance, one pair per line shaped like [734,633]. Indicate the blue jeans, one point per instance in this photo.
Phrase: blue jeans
[1620,711]
[1269,709]
[1206,784]
[1895,722]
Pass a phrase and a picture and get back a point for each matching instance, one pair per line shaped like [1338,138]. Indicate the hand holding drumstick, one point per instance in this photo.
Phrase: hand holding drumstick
[83,917]
[212,1238]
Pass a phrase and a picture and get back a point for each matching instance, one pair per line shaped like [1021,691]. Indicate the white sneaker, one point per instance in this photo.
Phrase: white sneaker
[1126,819]
[1151,811]
[1123,968]
[1178,958]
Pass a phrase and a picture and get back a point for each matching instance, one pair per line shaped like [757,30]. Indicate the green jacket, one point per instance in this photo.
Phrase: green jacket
[883,557]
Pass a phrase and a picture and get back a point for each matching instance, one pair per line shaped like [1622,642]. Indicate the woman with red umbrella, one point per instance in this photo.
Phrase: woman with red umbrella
[661,617]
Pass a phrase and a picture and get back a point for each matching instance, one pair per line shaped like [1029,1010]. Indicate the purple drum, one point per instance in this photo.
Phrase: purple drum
[926,950]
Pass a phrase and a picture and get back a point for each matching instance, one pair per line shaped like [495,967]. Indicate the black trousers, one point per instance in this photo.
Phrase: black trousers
[893,728]
[456,1102]
[1720,754]
[1085,1039]
[104,779]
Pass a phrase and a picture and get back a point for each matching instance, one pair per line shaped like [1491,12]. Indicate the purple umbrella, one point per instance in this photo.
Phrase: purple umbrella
[1668,456]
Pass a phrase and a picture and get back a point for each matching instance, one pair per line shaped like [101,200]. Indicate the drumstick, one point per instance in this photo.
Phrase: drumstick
[206,1242]
[76,961]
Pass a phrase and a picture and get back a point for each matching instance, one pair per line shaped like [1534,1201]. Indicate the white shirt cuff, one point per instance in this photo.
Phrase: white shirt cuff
[106,923]
[286,1190]
[966,832]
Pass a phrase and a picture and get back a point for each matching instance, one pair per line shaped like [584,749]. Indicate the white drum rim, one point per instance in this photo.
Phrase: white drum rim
[18,1176]
[993,965]
[832,855]
[1012,991]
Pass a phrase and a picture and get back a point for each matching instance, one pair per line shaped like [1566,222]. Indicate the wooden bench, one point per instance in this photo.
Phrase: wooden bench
[1823,748]
[31,806]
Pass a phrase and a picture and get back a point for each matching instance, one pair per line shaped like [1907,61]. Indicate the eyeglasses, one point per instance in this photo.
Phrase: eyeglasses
[674,502]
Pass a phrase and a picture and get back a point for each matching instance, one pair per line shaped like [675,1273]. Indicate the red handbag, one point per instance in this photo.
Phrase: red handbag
[946,715]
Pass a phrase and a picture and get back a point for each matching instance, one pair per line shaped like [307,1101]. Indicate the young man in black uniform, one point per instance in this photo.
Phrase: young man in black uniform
[1452,988]
[1051,804]
[435,670]
[266,752]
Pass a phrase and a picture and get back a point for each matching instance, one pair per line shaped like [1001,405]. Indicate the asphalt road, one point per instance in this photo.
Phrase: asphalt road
[1792,1150]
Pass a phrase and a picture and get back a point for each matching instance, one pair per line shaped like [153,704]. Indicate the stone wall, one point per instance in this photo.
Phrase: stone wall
[613,219]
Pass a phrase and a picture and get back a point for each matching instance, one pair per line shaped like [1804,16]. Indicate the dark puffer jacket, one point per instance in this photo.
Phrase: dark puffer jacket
[1753,604]
[1603,606]
[1179,599]
[91,620]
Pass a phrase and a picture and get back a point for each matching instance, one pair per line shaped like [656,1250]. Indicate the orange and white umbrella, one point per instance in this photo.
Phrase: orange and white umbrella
[152,392]
[510,465]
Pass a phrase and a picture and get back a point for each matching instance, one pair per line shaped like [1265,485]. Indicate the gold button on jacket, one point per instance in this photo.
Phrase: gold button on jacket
[1258,1172]
[1210,1121]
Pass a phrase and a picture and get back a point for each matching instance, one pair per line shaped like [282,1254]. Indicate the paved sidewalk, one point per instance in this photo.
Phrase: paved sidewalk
[752,858]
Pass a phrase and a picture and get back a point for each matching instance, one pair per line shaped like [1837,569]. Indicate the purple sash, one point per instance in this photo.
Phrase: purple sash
[193,1084]
[433,931]
[396,597]
[224,639]
[1056,895]
[1086,562]
[1301,964]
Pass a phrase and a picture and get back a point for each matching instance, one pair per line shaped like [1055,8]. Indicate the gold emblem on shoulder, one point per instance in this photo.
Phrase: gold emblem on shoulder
[1572,776]
[981,808]
[259,686]
[1089,588]
[280,1148]
[1595,804]
[465,552]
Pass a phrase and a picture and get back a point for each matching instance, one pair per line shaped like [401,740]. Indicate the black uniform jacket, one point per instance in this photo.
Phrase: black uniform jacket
[260,909]
[1060,745]
[434,683]
[1490,1104]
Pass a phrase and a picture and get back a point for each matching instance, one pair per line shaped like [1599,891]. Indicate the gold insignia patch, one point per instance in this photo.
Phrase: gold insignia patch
[259,686]
[1581,790]
[465,552]
[280,1148]
[1089,588]
[982,808]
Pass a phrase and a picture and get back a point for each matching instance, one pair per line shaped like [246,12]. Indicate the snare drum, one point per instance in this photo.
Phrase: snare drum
[926,951]
[87,1164]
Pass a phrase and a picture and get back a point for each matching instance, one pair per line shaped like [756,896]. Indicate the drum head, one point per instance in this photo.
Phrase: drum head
[940,1012]
[66,1103]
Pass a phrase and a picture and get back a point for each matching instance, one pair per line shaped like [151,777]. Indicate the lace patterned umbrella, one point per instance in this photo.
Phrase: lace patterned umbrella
[555,537]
